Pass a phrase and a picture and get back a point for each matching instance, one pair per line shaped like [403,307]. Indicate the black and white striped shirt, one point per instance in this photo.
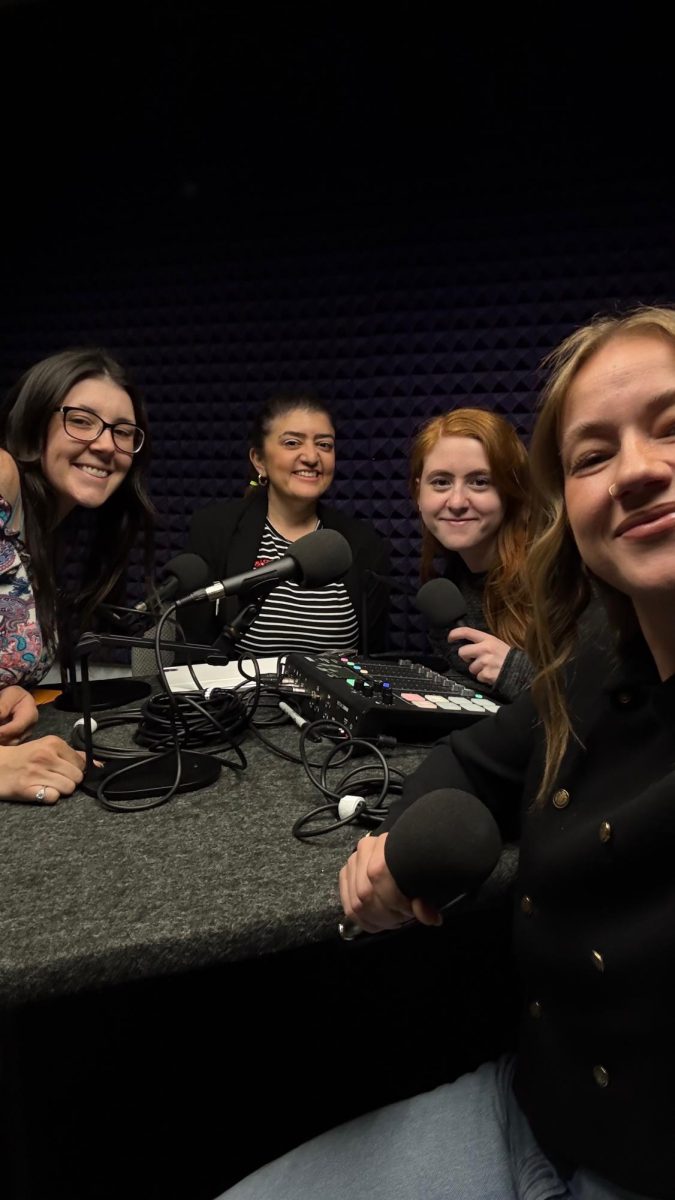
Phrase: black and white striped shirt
[295,618]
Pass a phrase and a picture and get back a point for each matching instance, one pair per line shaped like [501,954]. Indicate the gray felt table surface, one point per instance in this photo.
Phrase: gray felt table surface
[90,897]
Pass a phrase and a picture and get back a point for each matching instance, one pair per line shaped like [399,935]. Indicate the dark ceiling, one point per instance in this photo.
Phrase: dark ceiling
[262,111]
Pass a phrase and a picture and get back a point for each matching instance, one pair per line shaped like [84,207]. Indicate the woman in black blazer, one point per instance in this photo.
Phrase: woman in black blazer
[293,453]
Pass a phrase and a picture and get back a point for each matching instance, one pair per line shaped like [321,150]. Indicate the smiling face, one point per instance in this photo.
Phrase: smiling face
[87,473]
[618,455]
[298,455]
[458,501]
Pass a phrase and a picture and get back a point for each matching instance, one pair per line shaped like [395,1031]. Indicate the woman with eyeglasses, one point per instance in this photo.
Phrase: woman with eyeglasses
[74,435]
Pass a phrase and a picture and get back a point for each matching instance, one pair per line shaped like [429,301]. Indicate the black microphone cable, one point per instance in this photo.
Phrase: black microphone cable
[326,817]
[130,716]
[217,716]
[214,716]
[202,722]
[277,719]
[169,719]
[154,802]
[282,709]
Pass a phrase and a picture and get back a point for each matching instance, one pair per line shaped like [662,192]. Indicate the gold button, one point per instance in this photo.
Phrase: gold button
[624,697]
[598,960]
[605,831]
[535,1009]
[561,798]
[527,905]
[601,1075]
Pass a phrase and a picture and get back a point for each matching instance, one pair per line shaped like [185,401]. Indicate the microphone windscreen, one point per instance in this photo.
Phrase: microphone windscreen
[445,844]
[322,556]
[441,602]
[190,570]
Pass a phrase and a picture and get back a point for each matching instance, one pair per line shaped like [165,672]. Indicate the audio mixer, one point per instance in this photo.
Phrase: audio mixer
[404,700]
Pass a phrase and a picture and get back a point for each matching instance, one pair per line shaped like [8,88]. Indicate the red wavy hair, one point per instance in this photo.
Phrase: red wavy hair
[507,607]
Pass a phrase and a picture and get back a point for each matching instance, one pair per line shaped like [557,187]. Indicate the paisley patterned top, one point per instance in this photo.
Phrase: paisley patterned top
[23,657]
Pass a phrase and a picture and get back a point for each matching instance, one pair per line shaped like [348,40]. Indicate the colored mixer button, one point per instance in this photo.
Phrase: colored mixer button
[444,702]
[417,700]
[468,705]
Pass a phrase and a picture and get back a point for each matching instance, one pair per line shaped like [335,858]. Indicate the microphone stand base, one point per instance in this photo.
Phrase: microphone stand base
[152,777]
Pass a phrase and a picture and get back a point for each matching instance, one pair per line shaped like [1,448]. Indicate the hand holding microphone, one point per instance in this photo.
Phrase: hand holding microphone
[442,847]
[444,606]
[370,896]
[483,653]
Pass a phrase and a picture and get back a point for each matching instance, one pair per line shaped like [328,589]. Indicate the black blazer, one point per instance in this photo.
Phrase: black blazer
[594,912]
[227,535]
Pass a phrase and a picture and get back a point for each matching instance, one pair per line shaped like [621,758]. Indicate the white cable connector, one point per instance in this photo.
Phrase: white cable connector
[81,723]
[348,806]
[290,712]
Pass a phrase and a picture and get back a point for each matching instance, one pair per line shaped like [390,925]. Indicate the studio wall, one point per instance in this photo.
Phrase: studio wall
[389,324]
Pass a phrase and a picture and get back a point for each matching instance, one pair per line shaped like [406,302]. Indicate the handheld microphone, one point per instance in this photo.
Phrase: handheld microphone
[440,849]
[183,573]
[314,560]
[442,603]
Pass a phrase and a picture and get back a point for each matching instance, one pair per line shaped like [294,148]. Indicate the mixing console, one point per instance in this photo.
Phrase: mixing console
[404,700]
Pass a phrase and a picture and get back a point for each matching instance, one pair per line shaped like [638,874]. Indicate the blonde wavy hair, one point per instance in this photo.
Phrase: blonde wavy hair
[507,607]
[557,580]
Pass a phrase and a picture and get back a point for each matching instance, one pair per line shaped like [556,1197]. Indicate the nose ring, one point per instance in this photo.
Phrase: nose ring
[612,491]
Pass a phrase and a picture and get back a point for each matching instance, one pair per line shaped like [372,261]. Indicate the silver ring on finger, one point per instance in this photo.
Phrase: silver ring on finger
[40,794]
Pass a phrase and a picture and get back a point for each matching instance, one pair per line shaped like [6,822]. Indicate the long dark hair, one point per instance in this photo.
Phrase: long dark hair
[24,420]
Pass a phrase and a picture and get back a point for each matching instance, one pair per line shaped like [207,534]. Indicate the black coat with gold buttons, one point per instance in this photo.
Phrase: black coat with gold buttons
[594,914]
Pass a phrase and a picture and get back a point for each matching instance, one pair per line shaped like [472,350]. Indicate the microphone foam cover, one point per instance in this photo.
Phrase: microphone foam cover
[190,570]
[441,602]
[322,556]
[445,844]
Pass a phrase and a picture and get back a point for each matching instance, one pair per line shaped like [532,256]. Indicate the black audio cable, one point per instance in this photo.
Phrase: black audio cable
[327,817]
[166,725]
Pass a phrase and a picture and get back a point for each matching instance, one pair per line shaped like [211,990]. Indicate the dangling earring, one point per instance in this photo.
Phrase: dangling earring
[262,479]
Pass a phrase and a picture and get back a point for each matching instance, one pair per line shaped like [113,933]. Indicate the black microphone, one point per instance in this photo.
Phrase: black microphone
[314,560]
[441,848]
[442,603]
[183,574]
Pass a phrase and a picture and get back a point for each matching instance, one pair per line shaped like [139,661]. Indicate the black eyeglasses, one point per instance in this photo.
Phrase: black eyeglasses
[85,426]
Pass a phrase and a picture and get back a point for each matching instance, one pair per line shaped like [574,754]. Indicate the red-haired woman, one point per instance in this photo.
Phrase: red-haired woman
[470,479]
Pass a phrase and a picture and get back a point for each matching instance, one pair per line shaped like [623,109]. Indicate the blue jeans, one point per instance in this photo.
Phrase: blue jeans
[467,1140]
